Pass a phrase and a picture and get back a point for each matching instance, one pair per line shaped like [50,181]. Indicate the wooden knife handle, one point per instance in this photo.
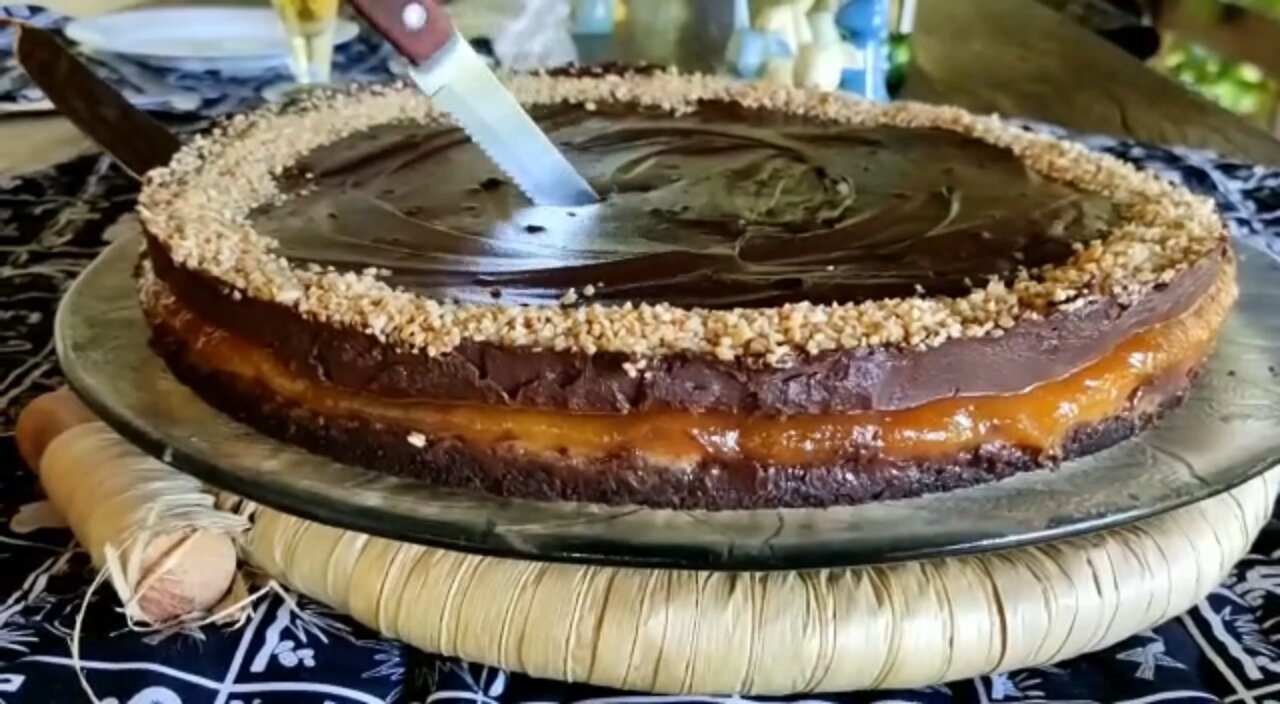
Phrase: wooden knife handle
[137,141]
[416,28]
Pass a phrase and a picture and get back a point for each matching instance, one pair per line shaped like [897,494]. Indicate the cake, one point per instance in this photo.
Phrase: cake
[783,299]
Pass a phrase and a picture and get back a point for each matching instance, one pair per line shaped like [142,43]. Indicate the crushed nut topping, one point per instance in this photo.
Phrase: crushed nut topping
[199,207]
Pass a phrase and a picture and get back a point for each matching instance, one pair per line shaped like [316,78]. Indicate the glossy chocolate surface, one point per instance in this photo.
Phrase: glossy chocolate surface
[836,214]
[721,208]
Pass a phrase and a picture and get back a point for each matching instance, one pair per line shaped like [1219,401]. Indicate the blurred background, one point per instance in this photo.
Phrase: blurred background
[1227,51]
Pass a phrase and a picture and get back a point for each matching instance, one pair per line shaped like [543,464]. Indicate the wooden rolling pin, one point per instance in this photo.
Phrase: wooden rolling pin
[168,552]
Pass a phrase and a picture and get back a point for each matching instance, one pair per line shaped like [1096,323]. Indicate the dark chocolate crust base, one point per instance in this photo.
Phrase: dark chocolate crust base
[626,479]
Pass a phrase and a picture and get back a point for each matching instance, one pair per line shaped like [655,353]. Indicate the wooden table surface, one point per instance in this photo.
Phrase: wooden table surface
[1013,57]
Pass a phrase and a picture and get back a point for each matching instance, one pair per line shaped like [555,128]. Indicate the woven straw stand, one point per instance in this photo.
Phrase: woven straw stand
[900,625]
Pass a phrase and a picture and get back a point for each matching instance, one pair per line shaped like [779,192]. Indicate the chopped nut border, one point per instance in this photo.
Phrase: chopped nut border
[198,207]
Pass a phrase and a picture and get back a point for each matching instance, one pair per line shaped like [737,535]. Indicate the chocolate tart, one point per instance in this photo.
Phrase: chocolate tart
[783,299]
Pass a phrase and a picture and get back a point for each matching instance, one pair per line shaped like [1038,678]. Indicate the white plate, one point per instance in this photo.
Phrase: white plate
[224,39]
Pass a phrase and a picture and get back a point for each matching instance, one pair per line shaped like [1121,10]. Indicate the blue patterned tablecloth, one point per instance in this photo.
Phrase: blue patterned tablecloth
[1227,648]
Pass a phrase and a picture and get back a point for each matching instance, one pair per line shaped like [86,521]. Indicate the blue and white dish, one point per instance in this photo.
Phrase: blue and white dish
[232,41]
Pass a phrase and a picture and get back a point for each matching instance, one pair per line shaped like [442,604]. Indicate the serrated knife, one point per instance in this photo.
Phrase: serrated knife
[447,69]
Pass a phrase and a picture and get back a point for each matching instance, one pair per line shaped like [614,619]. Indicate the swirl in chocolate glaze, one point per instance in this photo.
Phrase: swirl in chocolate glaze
[712,209]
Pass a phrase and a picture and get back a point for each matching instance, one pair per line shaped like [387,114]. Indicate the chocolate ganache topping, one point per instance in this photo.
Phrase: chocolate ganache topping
[723,202]
[723,207]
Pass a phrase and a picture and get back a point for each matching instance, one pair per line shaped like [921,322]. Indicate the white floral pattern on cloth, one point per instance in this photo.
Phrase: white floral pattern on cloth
[1225,649]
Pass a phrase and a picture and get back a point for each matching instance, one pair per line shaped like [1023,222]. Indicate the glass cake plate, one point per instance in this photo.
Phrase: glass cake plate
[1227,432]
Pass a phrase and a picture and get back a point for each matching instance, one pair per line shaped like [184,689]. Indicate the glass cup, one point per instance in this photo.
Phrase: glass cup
[309,27]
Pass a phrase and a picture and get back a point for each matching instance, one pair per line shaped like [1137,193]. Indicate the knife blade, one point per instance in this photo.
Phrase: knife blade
[136,141]
[448,70]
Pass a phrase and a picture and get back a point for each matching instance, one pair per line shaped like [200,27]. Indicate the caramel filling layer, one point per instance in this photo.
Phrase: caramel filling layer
[1039,419]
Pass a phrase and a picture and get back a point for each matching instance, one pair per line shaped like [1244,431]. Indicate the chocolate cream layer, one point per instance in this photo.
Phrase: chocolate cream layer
[721,208]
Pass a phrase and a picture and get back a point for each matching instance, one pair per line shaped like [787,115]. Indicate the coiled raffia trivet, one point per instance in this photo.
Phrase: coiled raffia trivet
[901,625]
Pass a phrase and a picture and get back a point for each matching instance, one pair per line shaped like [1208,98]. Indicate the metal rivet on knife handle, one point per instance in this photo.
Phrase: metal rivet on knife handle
[414,16]
[417,28]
